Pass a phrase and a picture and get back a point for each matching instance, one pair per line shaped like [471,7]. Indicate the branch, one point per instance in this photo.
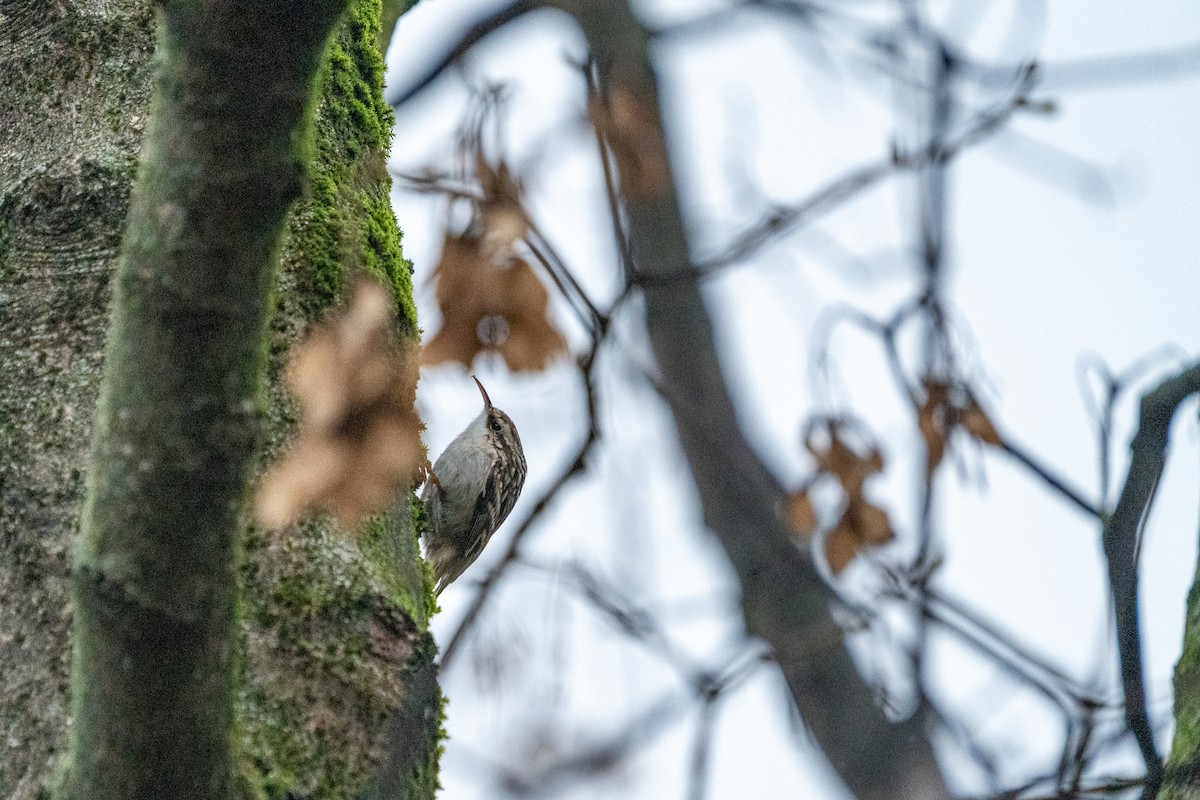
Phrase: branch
[855,181]
[1121,538]
[453,52]
[785,601]
[1053,481]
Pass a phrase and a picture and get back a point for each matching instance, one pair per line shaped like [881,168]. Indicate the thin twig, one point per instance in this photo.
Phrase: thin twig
[852,183]
[1051,480]
[591,73]
[702,748]
[471,37]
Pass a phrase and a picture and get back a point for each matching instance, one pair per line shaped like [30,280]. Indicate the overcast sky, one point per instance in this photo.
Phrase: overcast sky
[1074,234]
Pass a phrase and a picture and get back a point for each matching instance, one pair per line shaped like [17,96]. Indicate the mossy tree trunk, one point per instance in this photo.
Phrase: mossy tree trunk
[1148,458]
[176,424]
[325,662]
[1182,780]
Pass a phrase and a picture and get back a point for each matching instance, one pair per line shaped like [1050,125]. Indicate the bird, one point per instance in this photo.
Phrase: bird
[474,486]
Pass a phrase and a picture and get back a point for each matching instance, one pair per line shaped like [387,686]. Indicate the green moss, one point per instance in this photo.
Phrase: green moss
[1183,766]
[334,624]
[390,545]
[345,222]
[329,654]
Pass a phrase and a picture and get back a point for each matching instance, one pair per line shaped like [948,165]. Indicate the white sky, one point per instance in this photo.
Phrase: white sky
[1039,277]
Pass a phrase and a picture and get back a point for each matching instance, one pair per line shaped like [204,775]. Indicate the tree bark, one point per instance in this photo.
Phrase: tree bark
[73,104]
[329,653]
[154,582]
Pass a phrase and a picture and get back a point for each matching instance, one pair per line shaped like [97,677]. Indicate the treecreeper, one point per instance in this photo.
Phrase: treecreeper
[474,485]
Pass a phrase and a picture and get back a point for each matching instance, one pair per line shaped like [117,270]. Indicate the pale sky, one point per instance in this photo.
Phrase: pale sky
[1074,234]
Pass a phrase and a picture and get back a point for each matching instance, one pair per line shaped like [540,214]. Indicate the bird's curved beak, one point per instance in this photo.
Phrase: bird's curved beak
[487,401]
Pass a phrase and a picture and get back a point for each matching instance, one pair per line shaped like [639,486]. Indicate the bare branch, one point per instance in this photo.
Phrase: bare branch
[851,184]
[476,33]
[1121,537]
[785,600]
[1050,479]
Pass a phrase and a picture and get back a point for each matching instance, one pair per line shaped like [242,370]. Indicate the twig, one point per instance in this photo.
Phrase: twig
[853,182]
[1051,480]
[701,748]
[596,95]
[537,241]
[471,37]
[601,757]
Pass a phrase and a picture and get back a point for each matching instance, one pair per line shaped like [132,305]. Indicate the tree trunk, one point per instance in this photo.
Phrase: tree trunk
[1182,778]
[330,654]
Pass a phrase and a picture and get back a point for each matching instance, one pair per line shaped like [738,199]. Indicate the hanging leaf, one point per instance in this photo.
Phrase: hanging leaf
[840,460]
[359,437]
[944,409]
[841,546]
[492,308]
[934,420]
[503,217]
[863,525]
[979,425]
[801,517]
[870,523]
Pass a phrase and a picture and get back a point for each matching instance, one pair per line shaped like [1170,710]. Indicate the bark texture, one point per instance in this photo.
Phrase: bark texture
[73,105]
[154,583]
[331,661]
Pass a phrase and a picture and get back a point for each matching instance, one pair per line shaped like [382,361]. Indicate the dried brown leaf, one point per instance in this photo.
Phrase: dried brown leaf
[501,210]
[870,523]
[477,296]
[863,525]
[801,517]
[843,462]
[297,482]
[979,425]
[504,224]
[532,341]
[942,411]
[934,419]
[841,546]
[360,437]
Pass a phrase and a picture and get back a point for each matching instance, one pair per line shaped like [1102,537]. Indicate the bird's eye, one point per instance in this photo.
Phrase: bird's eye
[494,424]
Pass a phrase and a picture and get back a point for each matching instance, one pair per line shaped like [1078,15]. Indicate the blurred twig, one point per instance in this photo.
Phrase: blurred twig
[784,598]
[455,50]
[854,182]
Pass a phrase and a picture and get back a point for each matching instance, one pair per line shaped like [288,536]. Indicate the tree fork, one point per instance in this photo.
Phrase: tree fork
[177,421]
